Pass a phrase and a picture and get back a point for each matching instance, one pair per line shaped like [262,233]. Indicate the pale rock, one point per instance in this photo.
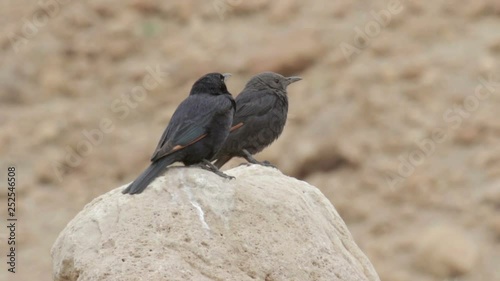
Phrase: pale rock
[193,225]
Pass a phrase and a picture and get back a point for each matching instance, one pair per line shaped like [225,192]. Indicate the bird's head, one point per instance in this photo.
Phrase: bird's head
[212,83]
[272,80]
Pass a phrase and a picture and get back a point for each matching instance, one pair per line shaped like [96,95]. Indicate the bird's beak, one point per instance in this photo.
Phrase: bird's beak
[292,79]
[226,76]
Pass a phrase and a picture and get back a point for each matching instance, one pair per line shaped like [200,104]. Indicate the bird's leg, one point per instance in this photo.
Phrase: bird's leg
[207,165]
[252,160]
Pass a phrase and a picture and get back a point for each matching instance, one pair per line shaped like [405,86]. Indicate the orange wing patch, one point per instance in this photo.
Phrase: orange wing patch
[179,147]
[235,127]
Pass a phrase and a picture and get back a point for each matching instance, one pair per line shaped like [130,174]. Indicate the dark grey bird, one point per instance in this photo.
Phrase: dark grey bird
[261,112]
[196,131]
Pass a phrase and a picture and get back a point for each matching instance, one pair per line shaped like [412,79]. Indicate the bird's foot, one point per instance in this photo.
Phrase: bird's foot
[207,165]
[248,156]
[263,163]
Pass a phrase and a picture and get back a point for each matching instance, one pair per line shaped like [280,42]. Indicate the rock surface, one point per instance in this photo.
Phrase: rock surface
[193,225]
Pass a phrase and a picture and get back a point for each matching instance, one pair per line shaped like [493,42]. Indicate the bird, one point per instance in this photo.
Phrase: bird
[261,112]
[196,131]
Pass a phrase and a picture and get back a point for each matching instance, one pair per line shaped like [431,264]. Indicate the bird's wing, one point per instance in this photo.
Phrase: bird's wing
[253,104]
[187,126]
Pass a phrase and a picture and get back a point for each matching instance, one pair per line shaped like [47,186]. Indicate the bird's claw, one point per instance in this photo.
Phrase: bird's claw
[263,163]
[267,164]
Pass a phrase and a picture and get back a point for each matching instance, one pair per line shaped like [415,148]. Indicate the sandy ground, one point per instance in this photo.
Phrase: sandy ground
[396,120]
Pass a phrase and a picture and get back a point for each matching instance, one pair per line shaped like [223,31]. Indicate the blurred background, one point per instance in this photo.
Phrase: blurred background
[396,120]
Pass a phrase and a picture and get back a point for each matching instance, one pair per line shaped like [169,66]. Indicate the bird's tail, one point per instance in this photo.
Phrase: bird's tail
[151,173]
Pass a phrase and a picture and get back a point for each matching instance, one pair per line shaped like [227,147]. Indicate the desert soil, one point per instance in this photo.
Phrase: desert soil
[396,120]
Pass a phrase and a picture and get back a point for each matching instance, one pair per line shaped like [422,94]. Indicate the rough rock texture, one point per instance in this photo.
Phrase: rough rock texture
[193,225]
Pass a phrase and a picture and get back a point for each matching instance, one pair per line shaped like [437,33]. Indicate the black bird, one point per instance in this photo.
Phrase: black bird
[196,131]
[261,111]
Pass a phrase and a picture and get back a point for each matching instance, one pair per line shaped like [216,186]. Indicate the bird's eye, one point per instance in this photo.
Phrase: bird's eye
[276,81]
